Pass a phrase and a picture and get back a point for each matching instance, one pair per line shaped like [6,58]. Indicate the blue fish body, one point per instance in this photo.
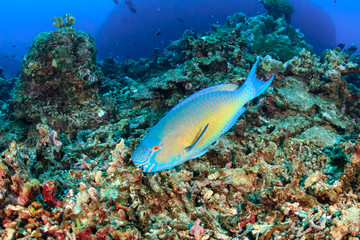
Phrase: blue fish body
[195,123]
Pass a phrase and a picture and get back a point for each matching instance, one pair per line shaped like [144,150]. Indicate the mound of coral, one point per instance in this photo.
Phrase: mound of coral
[288,169]
[59,82]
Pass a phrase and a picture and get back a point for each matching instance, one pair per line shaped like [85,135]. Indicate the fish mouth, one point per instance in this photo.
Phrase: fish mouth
[146,168]
[141,165]
[143,168]
[139,155]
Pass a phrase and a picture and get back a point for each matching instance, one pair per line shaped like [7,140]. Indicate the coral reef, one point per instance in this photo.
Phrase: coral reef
[2,73]
[17,187]
[288,169]
[6,89]
[278,8]
[59,82]
[261,34]
[8,132]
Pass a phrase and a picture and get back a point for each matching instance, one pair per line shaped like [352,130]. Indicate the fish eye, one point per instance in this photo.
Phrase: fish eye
[156,148]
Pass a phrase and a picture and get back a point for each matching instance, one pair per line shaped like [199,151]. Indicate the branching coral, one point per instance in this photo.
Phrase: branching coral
[59,21]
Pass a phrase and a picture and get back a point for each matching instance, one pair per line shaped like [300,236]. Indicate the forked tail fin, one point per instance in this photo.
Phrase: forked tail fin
[252,86]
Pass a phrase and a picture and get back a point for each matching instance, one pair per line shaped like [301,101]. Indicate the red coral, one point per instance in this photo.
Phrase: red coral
[251,219]
[47,192]
[59,236]
[102,233]
[85,234]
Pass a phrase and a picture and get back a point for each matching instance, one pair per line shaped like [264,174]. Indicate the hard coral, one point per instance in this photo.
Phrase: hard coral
[48,191]
[59,82]
[59,22]
[48,150]
[262,34]
[279,8]
[17,186]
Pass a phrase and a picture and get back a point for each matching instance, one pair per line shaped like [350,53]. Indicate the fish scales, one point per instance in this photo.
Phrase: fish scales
[195,123]
[201,116]
[198,115]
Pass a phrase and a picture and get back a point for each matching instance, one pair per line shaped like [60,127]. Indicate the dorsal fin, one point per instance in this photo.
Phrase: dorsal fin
[197,137]
[219,87]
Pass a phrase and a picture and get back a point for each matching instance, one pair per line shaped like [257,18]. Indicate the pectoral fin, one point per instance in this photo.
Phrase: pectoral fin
[197,138]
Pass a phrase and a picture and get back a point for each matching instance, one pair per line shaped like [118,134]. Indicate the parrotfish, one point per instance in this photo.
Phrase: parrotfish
[188,130]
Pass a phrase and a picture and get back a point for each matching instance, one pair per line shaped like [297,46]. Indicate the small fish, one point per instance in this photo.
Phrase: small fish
[187,131]
[130,5]
[13,45]
[116,2]
[133,10]
[158,32]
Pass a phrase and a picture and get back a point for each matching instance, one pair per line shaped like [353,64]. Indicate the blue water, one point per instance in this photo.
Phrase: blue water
[123,34]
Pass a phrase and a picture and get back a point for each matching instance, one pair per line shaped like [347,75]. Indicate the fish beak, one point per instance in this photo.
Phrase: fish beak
[143,168]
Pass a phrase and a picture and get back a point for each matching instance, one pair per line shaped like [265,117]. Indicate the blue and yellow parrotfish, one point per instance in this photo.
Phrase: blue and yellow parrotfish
[195,123]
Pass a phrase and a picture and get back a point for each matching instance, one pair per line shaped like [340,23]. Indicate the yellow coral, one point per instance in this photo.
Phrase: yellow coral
[59,21]
[69,21]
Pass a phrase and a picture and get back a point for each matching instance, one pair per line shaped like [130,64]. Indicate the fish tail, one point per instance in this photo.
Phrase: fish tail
[252,86]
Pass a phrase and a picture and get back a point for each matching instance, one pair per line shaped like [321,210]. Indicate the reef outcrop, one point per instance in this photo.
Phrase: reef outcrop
[59,82]
[278,8]
[263,35]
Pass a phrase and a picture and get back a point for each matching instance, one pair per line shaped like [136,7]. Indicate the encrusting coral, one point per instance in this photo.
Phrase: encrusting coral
[288,169]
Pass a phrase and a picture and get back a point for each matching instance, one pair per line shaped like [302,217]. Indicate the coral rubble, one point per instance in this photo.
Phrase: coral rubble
[288,169]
